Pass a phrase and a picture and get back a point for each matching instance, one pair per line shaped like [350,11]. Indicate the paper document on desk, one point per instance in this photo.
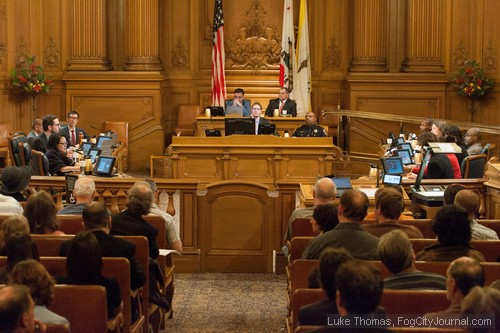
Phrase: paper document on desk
[370,192]
[166,252]
[445,147]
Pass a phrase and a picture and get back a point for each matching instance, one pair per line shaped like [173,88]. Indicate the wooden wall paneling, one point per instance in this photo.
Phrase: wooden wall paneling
[4,35]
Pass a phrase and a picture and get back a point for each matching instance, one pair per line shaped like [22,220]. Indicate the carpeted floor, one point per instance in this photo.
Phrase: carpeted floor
[214,302]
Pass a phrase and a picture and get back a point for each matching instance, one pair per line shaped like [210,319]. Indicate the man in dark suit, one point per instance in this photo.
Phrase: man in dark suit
[256,114]
[50,125]
[130,222]
[96,218]
[71,132]
[285,106]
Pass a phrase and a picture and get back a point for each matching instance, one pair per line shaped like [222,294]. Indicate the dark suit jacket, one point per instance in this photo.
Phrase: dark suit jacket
[439,167]
[317,313]
[115,247]
[65,131]
[290,106]
[40,143]
[262,121]
[127,224]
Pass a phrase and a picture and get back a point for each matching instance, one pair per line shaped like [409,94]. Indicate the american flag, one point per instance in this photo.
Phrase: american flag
[218,57]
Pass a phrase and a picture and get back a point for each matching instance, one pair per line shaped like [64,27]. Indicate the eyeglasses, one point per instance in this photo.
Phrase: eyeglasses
[63,143]
[76,118]
[238,97]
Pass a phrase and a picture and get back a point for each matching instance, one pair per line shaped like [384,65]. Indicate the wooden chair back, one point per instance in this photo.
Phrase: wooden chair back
[302,297]
[414,301]
[297,246]
[301,227]
[84,306]
[186,117]
[39,163]
[118,127]
[490,248]
[299,271]
[70,224]
[17,144]
[5,130]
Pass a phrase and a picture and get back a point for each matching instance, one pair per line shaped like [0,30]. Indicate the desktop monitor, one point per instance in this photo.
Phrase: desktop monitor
[104,166]
[101,139]
[421,172]
[93,153]
[267,128]
[405,155]
[239,126]
[86,148]
[393,165]
[216,111]
[406,146]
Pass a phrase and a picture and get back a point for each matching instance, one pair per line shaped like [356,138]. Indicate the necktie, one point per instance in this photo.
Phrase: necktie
[281,105]
[256,125]
[73,137]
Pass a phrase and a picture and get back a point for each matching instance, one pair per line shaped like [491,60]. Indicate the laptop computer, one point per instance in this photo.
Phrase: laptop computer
[405,155]
[234,110]
[342,184]
[393,165]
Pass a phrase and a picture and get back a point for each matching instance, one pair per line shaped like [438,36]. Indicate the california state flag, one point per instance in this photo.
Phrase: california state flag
[287,56]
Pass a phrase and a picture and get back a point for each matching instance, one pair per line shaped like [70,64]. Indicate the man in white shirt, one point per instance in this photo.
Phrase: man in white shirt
[71,132]
[285,106]
[469,201]
[256,114]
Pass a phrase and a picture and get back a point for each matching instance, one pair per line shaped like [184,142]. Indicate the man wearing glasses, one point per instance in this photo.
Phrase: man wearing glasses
[239,100]
[256,114]
[50,125]
[71,132]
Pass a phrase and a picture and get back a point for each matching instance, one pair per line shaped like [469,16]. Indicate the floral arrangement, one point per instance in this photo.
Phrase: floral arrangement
[30,79]
[471,81]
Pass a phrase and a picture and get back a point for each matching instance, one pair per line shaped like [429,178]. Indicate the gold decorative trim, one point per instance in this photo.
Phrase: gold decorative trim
[460,55]
[51,54]
[22,51]
[490,57]
[256,46]
[333,55]
[179,55]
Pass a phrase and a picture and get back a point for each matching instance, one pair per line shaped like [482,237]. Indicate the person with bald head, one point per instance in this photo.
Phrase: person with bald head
[473,141]
[130,222]
[83,193]
[324,192]
[348,233]
[462,275]
[310,128]
[469,201]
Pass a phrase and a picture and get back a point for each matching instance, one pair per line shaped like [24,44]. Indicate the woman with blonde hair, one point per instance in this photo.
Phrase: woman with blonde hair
[41,284]
[41,213]
[14,224]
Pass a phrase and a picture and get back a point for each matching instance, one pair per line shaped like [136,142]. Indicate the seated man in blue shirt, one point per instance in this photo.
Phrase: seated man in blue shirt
[239,100]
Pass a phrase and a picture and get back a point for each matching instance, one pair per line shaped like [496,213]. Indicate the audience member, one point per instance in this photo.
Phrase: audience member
[41,213]
[453,134]
[284,105]
[173,235]
[96,219]
[317,313]
[389,204]
[324,192]
[84,266]
[16,310]
[450,193]
[485,302]
[33,275]
[239,100]
[15,183]
[9,205]
[473,141]
[426,125]
[56,152]
[130,221]
[71,132]
[14,224]
[310,128]
[19,247]
[83,193]
[462,275]
[348,233]
[256,114]
[469,201]
[324,219]
[438,128]
[50,125]
[36,130]
[396,253]
[399,188]
[452,227]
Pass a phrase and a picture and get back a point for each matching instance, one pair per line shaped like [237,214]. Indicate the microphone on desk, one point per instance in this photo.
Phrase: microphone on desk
[93,127]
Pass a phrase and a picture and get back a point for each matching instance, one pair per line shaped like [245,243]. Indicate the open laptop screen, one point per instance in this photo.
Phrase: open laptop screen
[393,165]
[421,172]
[405,155]
[104,166]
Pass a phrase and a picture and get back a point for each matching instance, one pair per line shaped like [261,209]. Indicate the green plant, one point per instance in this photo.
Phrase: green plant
[30,79]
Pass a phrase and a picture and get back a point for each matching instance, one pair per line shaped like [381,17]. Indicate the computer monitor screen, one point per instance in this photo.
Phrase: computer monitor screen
[86,148]
[104,166]
[398,141]
[404,154]
[101,139]
[421,172]
[212,132]
[217,111]
[267,128]
[393,165]
[239,126]
[406,146]
[93,153]
[392,180]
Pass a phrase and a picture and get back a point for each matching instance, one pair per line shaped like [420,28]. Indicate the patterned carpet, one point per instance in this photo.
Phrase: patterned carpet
[214,302]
